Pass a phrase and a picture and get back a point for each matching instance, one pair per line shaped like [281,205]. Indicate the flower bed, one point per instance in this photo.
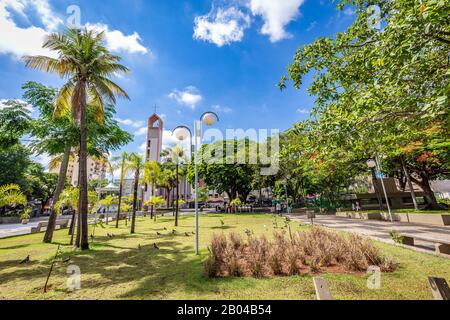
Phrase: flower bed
[306,252]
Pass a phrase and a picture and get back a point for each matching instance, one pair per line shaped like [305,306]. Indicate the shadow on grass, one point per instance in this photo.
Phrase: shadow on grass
[222,228]
[150,273]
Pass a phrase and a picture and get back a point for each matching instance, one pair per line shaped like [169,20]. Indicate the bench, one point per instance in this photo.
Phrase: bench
[441,246]
[62,224]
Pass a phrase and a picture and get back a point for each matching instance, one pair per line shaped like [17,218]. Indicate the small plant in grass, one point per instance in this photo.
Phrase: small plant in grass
[25,217]
[248,232]
[396,237]
[222,224]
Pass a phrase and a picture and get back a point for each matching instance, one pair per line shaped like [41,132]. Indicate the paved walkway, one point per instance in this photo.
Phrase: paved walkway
[379,230]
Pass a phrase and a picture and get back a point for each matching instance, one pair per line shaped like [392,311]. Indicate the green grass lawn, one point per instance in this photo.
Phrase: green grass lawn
[116,269]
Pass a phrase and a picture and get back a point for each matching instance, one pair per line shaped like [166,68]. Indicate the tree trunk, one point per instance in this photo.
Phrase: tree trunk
[377,189]
[72,223]
[133,217]
[432,203]
[153,209]
[411,187]
[83,206]
[120,193]
[59,188]
[173,202]
[72,226]
[177,203]
[78,238]
[168,197]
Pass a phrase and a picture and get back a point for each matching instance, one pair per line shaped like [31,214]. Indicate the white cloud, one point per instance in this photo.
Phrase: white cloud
[225,25]
[130,123]
[43,159]
[221,109]
[276,15]
[142,147]
[19,41]
[303,111]
[50,20]
[169,141]
[221,26]
[349,12]
[141,132]
[190,96]
[28,107]
[312,26]
[116,41]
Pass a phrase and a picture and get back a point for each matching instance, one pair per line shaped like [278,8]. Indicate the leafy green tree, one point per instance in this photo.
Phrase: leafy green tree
[377,91]
[86,64]
[233,179]
[10,195]
[15,122]
[155,202]
[14,163]
[152,177]
[177,156]
[41,185]
[167,179]
[108,202]
[120,163]
[59,137]
[94,184]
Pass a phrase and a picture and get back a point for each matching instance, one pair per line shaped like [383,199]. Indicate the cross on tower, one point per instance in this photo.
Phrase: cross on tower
[156,109]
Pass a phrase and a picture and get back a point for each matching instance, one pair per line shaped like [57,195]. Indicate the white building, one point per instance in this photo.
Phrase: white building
[95,170]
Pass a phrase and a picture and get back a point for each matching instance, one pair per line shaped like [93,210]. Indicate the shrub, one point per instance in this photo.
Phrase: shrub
[285,256]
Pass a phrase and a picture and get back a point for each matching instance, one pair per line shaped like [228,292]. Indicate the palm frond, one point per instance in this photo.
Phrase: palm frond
[63,100]
[97,104]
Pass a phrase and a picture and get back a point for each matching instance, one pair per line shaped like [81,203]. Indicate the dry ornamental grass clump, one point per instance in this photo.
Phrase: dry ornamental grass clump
[313,251]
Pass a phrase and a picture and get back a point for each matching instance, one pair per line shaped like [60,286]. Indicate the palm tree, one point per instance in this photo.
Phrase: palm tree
[10,195]
[177,154]
[152,176]
[167,181]
[86,64]
[121,163]
[135,164]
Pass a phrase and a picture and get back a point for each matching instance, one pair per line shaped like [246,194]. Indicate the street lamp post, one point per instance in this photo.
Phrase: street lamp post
[376,164]
[183,133]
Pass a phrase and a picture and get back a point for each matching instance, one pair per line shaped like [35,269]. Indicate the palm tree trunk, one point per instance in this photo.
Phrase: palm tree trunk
[59,188]
[154,211]
[78,238]
[120,194]
[83,183]
[152,195]
[177,203]
[72,226]
[133,217]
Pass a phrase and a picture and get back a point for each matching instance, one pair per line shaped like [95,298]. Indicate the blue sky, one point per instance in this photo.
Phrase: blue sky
[186,57]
